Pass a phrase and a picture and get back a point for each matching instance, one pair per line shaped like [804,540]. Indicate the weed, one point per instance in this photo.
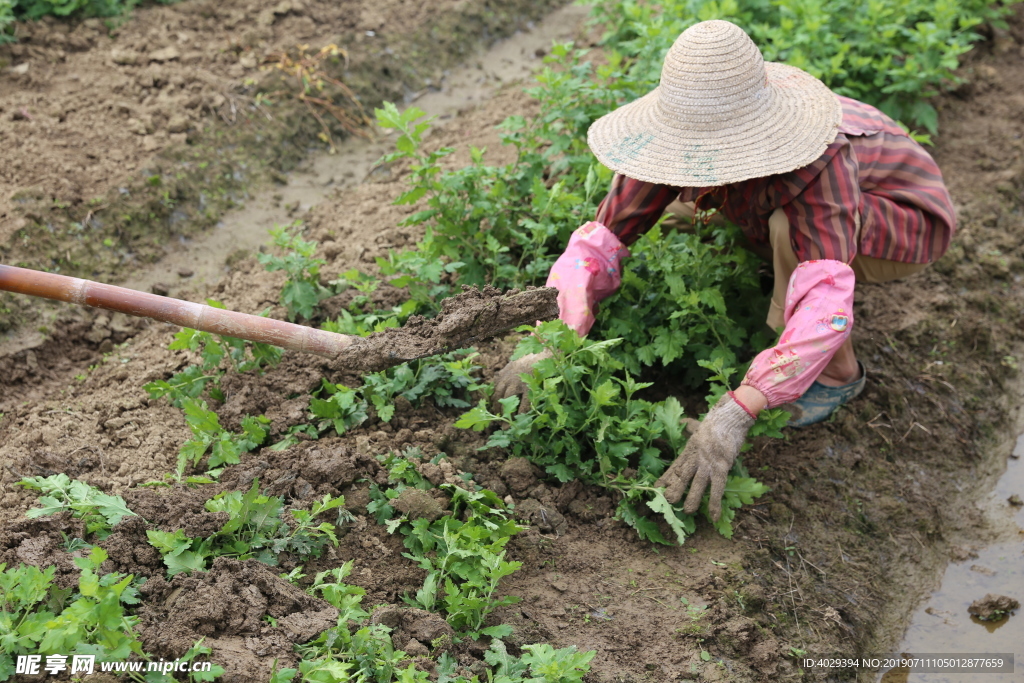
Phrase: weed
[302,292]
[99,511]
[492,225]
[207,435]
[688,299]
[318,90]
[358,651]
[541,661]
[463,552]
[197,650]
[464,555]
[211,350]
[355,320]
[37,617]
[738,597]
[343,408]
[255,529]
[448,380]
[294,576]
[586,422]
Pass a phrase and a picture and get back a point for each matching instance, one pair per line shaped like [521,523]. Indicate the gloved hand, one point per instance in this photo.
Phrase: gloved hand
[708,457]
[508,383]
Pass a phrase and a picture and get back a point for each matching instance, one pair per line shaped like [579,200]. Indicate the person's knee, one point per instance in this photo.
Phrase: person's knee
[876,271]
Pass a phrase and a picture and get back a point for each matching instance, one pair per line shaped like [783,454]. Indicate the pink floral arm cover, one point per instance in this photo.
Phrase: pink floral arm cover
[819,317]
[818,313]
[586,272]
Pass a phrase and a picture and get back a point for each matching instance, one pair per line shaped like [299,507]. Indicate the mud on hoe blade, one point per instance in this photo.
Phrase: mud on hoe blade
[464,319]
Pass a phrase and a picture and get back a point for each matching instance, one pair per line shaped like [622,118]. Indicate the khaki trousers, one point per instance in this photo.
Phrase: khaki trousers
[784,260]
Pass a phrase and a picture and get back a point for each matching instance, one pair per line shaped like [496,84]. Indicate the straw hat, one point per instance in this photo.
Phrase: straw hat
[721,115]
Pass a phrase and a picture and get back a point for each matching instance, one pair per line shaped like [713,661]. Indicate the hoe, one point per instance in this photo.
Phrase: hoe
[464,319]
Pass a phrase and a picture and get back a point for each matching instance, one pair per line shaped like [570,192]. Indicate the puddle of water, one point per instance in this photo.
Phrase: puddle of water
[323,174]
[942,624]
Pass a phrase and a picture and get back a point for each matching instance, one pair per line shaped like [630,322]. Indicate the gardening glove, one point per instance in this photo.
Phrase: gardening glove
[708,457]
[509,383]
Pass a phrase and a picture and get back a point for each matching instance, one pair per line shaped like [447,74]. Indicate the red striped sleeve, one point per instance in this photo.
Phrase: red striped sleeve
[632,207]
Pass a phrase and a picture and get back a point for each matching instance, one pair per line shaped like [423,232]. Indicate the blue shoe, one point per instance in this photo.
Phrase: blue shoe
[819,401]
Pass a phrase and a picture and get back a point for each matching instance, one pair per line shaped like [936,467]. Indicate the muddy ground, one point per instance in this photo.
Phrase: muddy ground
[863,512]
[124,136]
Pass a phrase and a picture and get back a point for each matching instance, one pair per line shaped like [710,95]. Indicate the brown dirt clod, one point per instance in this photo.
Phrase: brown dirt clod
[416,504]
[226,606]
[410,624]
[993,607]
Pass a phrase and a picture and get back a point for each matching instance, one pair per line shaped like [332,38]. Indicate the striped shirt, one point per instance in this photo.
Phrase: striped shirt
[872,174]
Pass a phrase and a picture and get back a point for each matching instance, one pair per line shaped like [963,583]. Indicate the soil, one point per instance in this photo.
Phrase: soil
[863,514]
[121,140]
[227,607]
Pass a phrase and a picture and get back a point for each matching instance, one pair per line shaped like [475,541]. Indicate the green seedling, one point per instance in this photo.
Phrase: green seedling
[255,528]
[224,447]
[302,291]
[100,511]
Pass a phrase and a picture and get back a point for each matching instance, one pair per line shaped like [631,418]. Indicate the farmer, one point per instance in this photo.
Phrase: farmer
[830,190]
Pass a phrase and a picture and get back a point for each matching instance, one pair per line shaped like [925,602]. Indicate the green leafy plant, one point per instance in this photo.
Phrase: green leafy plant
[447,380]
[302,292]
[539,663]
[223,446]
[362,654]
[466,559]
[343,408]
[356,320]
[37,617]
[99,511]
[463,551]
[185,388]
[212,350]
[894,56]
[255,529]
[22,10]
[6,20]
[358,651]
[586,422]
[687,299]
[486,224]
[194,652]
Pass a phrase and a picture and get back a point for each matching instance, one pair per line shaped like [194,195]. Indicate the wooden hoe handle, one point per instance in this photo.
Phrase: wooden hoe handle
[254,328]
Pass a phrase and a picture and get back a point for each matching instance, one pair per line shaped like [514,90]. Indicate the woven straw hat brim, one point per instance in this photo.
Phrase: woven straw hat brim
[801,120]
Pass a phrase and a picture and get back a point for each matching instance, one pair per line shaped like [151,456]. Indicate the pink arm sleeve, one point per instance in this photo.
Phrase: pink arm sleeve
[586,272]
[819,316]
